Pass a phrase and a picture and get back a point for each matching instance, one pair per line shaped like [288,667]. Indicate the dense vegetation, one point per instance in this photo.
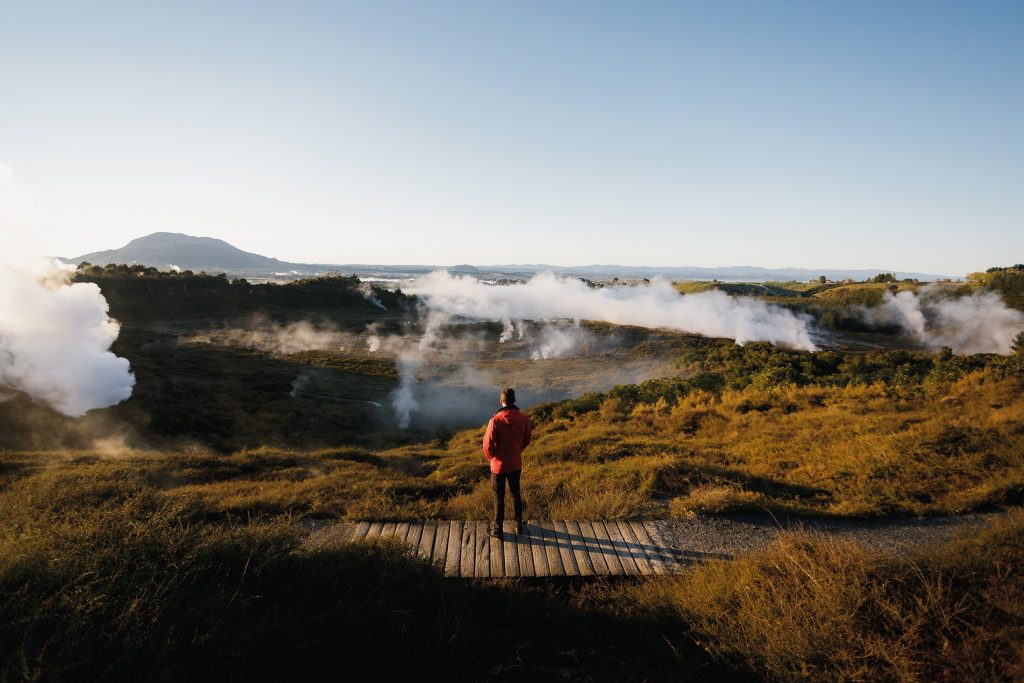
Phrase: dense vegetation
[140,293]
[1008,281]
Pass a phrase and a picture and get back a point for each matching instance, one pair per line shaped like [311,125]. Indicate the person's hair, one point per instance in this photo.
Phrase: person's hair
[508,396]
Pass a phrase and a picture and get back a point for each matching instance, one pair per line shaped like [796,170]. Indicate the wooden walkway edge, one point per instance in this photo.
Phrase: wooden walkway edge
[545,548]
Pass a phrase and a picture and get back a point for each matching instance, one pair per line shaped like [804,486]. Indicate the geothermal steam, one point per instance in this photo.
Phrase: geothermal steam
[55,339]
[265,335]
[658,305]
[979,323]
[555,303]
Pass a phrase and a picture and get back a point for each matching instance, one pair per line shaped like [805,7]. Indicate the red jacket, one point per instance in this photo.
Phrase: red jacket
[508,433]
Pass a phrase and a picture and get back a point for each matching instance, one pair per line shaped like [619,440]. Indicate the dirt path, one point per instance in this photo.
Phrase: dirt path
[728,536]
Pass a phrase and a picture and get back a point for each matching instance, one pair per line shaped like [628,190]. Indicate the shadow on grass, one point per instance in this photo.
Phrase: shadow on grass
[773,488]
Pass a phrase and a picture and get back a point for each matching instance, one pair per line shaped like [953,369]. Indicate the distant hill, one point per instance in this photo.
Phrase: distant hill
[165,250]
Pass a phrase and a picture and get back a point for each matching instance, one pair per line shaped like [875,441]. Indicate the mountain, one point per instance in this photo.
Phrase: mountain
[167,249]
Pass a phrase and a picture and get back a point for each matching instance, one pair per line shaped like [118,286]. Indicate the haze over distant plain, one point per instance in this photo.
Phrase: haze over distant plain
[806,135]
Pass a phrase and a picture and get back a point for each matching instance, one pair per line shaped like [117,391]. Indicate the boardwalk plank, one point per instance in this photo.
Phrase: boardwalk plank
[401,531]
[510,553]
[437,552]
[482,551]
[497,555]
[359,533]
[554,556]
[373,531]
[525,551]
[388,530]
[593,549]
[565,550]
[655,553]
[449,556]
[629,566]
[611,559]
[412,537]
[467,566]
[426,545]
[579,548]
[634,548]
[540,557]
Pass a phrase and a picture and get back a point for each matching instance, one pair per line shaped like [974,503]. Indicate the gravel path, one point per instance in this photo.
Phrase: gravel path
[725,537]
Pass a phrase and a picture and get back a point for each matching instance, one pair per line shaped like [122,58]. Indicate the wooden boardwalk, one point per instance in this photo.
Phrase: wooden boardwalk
[545,548]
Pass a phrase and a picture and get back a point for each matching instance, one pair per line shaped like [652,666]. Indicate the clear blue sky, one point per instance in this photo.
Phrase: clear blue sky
[818,134]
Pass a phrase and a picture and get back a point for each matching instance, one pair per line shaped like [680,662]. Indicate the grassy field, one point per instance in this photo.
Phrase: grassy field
[111,576]
[948,439]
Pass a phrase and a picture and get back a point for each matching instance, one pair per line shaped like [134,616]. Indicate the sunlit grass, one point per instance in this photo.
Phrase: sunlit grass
[853,451]
[815,608]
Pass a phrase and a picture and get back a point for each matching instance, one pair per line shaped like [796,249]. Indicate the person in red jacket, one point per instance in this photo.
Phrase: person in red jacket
[508,433]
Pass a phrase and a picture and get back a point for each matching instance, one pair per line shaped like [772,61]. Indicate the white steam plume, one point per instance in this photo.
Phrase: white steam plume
[559,342]
[979,323]
[403,400]
[262,334]
[658,305]
[55,340]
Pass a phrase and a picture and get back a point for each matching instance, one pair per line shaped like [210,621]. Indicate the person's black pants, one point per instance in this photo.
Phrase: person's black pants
[498,489]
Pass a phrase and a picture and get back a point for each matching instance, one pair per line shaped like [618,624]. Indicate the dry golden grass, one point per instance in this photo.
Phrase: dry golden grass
[715,499]
[840,451]
[854,451]
[816,608]
[105,577]
[191,562]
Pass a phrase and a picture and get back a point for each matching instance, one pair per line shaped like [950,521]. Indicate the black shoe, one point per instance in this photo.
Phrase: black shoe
[494,533]
[520,528]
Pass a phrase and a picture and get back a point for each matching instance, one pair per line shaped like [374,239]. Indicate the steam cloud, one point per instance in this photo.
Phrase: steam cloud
[658,305]
[404,400]
[542,316]
[262,334]
[410,360]
[979,323]
[55,340]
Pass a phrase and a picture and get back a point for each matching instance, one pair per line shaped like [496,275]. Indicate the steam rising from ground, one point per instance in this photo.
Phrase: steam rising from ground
[262,334]
[450,370]
[978,323]
[541,320]
[55,340]
[658,305]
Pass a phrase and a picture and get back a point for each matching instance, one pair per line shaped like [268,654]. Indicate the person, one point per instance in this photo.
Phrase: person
[508,433]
